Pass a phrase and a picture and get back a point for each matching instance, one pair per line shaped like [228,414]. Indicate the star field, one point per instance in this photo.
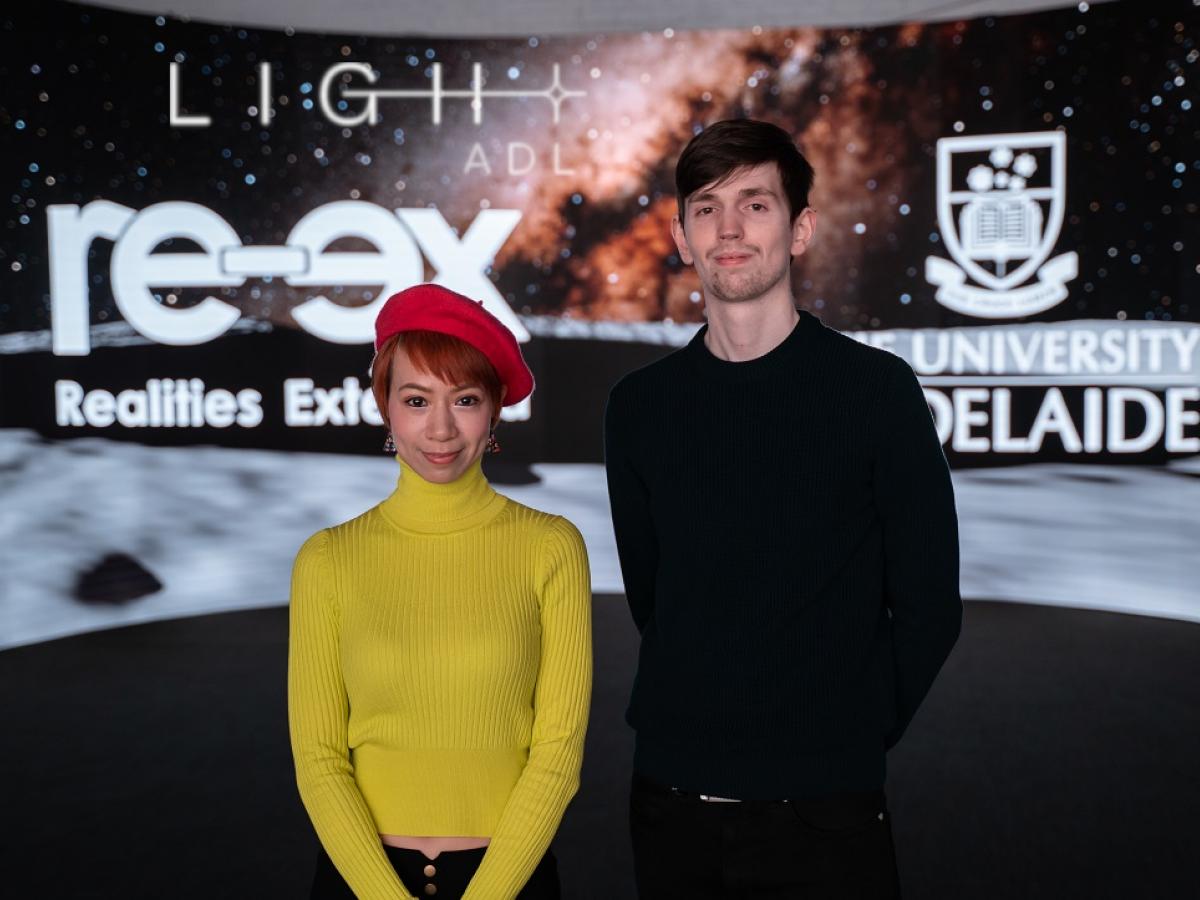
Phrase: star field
[85,116]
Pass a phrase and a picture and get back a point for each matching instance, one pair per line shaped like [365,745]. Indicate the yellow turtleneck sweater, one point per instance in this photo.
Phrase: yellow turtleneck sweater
[439,673]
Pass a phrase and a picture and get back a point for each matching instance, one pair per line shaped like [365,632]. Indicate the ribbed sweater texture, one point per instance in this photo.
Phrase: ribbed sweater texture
[439,679]
[788,539]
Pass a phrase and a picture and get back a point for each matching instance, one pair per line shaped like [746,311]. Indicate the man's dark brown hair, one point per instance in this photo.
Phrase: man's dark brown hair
[721,149]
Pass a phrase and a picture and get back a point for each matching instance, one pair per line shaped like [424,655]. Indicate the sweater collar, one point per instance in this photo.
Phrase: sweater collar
[775,361]
[424,506]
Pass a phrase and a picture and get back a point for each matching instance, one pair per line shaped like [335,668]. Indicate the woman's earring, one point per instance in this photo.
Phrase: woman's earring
[389,446]
[493,445]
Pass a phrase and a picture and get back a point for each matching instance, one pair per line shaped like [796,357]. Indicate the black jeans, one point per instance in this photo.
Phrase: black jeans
[828,848]
[452,873]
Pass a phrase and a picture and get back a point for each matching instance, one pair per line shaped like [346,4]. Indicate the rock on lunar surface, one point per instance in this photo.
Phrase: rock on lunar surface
[117,578]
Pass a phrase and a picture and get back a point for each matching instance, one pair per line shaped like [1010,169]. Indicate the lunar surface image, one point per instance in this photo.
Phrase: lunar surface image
[196,530]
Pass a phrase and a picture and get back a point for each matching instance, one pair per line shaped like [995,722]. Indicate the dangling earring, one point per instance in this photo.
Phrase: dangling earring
[389,446]
[493,445]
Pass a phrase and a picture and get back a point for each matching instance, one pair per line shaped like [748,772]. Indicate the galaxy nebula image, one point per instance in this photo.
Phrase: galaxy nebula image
[580,135]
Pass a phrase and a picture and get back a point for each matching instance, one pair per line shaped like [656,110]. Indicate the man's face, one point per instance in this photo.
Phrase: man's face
[739,235]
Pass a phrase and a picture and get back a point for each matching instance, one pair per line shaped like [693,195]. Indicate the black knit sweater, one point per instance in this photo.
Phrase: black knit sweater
[788,540]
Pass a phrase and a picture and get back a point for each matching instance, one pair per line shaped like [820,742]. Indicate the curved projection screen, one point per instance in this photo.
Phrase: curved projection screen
[204,219]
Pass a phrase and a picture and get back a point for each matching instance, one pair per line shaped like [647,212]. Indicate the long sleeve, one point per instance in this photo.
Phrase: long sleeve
[915,499]
[633,525]
[317,715]
[560,703]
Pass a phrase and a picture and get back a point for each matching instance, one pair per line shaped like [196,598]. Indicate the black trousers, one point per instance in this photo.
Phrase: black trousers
[452,871]
[829,848]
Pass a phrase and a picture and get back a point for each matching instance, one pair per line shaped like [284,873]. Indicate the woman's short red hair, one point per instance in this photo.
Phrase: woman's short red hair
[443,356]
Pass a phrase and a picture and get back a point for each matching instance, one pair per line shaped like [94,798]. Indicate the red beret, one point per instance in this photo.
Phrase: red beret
[431,307]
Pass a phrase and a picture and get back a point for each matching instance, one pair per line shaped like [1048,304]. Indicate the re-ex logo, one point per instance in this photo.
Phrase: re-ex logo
[302,260]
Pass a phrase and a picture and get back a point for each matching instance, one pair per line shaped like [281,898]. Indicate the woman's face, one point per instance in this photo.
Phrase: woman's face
[440,429]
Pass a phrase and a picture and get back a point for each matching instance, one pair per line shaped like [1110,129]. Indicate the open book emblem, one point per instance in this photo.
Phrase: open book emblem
[1000,203]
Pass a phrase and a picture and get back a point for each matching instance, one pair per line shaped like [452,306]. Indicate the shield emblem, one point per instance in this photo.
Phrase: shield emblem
[1000,203]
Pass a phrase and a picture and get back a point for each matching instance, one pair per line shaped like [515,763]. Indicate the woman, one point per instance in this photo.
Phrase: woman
[439,664]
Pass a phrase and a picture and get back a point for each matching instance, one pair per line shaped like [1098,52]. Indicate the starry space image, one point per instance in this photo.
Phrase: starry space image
[85,116]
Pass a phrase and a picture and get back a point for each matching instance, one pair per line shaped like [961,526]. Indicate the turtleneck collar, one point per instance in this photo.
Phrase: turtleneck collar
[424,506]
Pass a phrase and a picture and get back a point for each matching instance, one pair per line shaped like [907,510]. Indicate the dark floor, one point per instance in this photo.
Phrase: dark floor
[1058,756]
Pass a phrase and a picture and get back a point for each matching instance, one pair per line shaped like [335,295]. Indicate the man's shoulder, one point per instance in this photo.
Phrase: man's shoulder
[650,378]
[841,342]
[850,352]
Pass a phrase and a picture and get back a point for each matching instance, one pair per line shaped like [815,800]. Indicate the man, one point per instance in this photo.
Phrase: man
[787,534]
